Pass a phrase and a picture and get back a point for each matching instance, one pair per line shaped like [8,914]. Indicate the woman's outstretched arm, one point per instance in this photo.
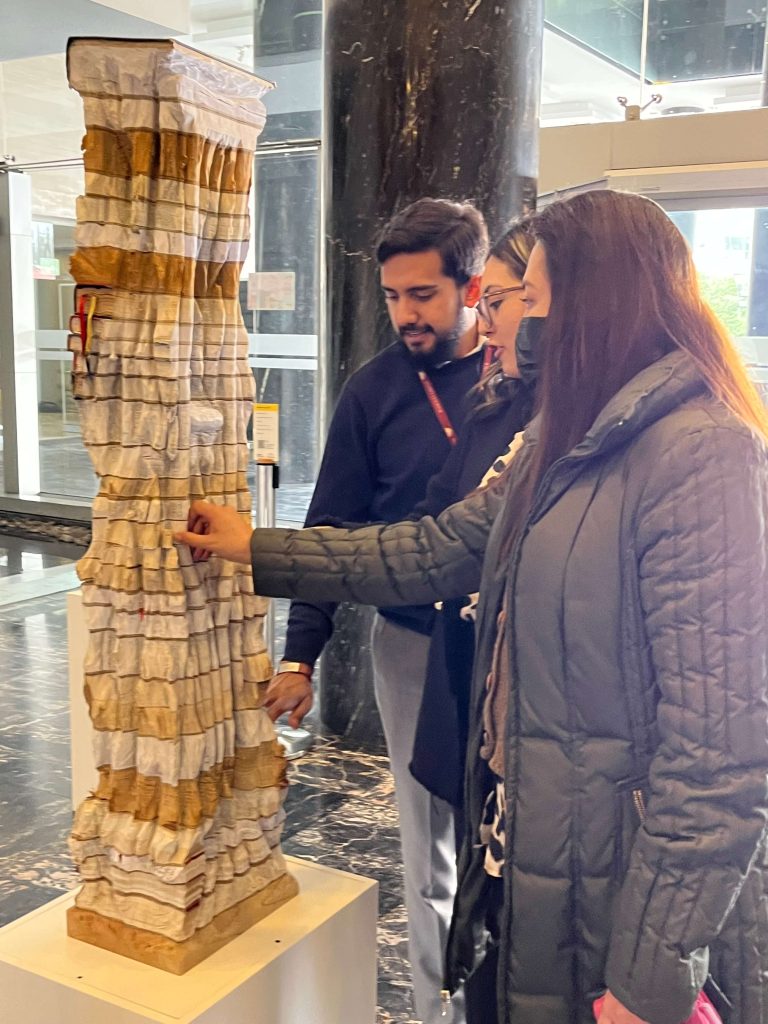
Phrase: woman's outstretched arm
[400,564]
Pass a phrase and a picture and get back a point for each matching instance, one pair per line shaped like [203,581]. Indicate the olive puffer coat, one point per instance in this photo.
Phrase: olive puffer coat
[637,734]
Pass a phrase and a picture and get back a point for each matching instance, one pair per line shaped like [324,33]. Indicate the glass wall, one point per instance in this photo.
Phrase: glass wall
[281,311]
[281,39]
[730,249]
[697,57]
[686,41]
[41,127]
[65,468]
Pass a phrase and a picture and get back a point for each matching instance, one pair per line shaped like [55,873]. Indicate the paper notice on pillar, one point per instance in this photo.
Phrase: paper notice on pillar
[273,290]
[266,432]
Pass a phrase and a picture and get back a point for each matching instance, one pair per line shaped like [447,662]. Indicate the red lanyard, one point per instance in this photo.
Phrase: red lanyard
[437,407]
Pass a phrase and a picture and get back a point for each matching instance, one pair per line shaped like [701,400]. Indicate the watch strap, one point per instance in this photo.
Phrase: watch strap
[295,666]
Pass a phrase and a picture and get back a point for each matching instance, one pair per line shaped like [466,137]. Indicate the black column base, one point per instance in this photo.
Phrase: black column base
[347,704]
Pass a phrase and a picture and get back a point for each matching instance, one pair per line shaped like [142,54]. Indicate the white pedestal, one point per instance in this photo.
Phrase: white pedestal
[84,774]
[313,961]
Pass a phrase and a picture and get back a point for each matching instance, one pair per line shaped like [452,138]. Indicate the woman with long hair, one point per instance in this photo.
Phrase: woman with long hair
[501,405]
[617,767]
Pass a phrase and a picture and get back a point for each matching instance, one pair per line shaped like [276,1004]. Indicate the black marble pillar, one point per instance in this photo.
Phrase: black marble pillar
[422,98]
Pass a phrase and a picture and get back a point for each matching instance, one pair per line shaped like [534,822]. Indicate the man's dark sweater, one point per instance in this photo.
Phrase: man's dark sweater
[383,446]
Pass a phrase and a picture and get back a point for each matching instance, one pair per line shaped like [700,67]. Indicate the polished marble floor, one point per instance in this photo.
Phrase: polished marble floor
[340,806]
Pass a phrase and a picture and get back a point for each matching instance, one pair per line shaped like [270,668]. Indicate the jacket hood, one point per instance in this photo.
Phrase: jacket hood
[648,397]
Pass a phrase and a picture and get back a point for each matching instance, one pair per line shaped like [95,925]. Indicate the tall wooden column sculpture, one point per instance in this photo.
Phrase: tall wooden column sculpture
[179,847]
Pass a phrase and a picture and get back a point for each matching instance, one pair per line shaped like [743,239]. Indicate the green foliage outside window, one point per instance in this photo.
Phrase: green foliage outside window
[727,298]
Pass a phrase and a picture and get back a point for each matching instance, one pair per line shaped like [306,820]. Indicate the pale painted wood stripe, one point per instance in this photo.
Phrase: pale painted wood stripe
[146,913]
[163,216]
[100,832]
[173,759]
[169,243]
[194,113]
[166,190]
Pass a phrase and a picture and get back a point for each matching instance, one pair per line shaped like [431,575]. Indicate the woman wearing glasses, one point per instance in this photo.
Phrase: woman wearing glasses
[502,401]
[502,404]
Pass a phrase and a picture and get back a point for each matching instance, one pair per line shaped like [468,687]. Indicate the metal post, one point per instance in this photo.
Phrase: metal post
[267,482]
[643,51]
[295,741]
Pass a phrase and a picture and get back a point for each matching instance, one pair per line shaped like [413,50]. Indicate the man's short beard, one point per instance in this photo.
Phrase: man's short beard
[446,348]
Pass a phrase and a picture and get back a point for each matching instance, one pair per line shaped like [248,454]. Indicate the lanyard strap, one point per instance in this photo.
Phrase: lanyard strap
[434,399]
[437,407]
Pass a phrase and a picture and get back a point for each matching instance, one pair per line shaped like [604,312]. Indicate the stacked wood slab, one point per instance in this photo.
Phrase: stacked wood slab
[184,828]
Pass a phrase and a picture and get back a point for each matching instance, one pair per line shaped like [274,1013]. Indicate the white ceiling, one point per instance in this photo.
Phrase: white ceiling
[35,27]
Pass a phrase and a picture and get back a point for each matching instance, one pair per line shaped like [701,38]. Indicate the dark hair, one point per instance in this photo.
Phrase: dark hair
[514,251]
[456,230]
[624,293]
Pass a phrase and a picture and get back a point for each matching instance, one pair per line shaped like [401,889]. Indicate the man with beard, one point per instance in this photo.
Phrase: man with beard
[393,427]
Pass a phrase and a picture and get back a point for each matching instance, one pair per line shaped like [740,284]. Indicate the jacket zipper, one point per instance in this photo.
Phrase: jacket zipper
[513,566]
[539,501]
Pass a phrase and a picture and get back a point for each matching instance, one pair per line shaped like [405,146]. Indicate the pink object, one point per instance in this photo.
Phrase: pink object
[703,1011]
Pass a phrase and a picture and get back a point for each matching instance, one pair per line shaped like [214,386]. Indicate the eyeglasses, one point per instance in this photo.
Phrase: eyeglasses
[483,306]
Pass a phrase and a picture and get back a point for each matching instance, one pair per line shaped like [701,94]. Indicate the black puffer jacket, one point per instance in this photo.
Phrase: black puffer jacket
[640,650]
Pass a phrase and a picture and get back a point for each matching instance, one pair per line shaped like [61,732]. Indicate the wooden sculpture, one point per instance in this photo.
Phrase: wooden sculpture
[179,846]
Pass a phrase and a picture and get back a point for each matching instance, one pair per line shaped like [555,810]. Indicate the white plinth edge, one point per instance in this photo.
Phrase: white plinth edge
[313,961]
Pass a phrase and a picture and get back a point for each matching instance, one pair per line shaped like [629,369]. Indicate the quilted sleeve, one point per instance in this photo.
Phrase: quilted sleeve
[701,530]
[401,564]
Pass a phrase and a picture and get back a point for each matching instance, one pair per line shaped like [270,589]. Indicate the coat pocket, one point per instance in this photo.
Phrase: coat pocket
[629,814]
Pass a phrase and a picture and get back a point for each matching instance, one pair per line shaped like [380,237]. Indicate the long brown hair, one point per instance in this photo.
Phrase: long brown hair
[624,293]
[513,249]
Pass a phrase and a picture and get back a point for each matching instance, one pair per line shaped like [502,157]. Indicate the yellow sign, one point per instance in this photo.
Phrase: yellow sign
[266,432]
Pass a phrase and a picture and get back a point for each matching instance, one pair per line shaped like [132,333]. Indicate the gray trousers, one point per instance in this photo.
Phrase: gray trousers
[426,822]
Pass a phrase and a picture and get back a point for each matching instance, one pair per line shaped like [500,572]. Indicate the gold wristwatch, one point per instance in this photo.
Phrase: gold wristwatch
[301,667]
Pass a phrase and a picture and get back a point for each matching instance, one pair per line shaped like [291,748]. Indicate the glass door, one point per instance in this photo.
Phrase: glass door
[65,468]
[280,308]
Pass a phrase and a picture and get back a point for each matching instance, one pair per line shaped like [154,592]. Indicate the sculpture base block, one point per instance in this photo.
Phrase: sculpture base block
[178,957]
[312,960]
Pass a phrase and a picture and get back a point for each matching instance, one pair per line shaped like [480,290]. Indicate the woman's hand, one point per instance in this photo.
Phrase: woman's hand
[613,1012]
[216,530]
